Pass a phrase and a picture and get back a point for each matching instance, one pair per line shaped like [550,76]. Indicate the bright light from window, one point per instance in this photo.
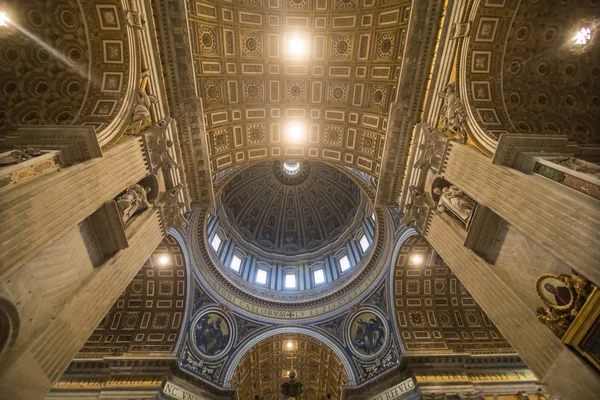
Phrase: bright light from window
[319,276]
[163,260]
[216,242]
[296,46]
[290,281]
[364,243]
[295,132]
[236,262]
[344,263]
[261,276]
[4,19]
[583,36]
[373,216]
[417,259]
[291,167]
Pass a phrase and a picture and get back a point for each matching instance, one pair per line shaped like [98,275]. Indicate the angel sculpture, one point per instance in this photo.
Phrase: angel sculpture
[453,112]
[141,117]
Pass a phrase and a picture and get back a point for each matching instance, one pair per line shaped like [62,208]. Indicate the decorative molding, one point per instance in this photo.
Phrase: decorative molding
[75,143]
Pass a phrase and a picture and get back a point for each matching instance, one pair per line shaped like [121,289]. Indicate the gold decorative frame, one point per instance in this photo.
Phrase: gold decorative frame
[587,320]
[567,280]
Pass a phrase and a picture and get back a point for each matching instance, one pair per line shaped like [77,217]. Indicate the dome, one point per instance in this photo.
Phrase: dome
[290,208]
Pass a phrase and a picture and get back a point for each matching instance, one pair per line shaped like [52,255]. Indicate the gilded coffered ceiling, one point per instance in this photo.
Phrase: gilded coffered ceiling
[341,89]
[434,311]
[262,369]
[66,62]
[148,316]
[520,72]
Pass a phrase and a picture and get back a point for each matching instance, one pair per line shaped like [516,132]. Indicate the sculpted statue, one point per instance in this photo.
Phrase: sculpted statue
[416,210]
[431,149]
[172,208]
[141,111]
[578,165]
[18,156]
[453,112]
[159,145]
[455,201]
[133,200]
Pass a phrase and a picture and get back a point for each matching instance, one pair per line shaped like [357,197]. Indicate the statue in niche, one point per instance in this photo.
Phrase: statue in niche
[578,165]
[454,200]
[172,208]
[141,118]
[18,156]
[132,201]
[453,114]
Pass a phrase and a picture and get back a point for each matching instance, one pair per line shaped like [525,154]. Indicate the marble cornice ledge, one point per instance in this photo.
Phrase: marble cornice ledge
[404,112]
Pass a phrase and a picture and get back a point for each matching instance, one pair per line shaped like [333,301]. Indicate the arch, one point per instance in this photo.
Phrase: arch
[521,73]
[337,349]
[90,64]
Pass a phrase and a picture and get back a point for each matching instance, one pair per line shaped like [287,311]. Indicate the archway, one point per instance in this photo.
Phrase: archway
[264,366]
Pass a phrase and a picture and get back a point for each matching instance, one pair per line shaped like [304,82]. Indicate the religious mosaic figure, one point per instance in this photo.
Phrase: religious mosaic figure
[212,334]
[367,333]
[452,199]
[453,112]
[18,156]
[132,201]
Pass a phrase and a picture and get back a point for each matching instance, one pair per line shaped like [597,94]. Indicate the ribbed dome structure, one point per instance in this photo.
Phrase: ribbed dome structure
[290,214]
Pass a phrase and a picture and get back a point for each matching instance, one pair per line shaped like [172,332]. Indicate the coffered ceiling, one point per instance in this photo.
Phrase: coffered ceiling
[340,89]
[262,369]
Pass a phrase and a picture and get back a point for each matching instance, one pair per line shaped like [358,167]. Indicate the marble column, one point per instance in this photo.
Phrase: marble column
[36,212]
[563,221]
[30,370]
[554,364]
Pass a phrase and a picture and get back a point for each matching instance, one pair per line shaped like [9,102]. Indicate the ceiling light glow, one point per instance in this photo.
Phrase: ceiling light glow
[163,260]
[417,259]
[296,46]
[583,36]
[4,19]
[290,345]
[295,132]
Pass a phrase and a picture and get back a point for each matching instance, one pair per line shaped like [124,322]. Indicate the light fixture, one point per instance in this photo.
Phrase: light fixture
[4,20]
[295,132]
[163,260]
[296,46]
[417,259]
[290,345]
[583,36]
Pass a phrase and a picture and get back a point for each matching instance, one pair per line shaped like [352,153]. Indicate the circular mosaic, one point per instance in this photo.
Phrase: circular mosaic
[368,333]
[211,334]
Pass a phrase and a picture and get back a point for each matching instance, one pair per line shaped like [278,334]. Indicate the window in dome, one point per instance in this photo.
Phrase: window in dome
[364,243]
[344,263]
[290,281]
[291,167]
[235,264]
[319,276]
[216,242]
[261,276]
